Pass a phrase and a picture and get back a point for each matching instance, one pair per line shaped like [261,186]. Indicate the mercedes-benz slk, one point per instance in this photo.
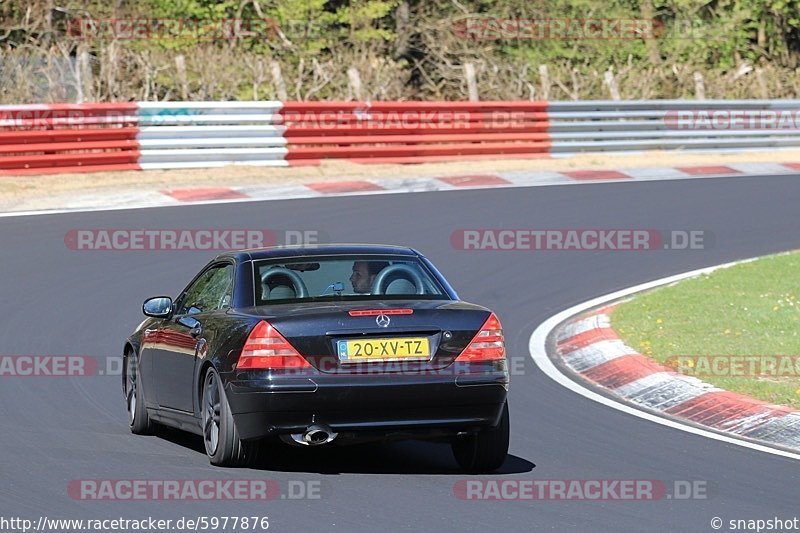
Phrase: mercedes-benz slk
[319,346]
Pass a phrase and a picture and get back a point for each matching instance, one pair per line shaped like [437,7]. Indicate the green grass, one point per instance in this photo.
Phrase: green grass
[748,309]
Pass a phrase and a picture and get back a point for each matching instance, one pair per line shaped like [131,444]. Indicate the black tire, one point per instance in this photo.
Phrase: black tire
[485,451]
[222,443]
[138,420]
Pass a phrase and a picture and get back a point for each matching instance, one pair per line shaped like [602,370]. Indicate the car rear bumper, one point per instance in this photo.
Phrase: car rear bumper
[382,404]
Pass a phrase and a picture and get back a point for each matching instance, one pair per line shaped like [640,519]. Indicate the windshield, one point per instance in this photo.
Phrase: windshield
[352,277]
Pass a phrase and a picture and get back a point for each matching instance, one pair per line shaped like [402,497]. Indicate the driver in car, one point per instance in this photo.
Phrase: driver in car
[364,273]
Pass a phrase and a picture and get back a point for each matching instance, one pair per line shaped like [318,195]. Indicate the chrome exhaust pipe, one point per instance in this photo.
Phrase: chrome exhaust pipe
[317,434]
[314,435]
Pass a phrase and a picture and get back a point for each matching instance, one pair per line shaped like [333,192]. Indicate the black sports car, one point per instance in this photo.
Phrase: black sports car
[332,344]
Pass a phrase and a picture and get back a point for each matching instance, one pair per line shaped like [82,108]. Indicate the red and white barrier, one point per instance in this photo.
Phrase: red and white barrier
[157,135]
[66,138]
[590,347]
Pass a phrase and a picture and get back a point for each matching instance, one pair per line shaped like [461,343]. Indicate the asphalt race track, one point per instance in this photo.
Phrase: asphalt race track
[59,301]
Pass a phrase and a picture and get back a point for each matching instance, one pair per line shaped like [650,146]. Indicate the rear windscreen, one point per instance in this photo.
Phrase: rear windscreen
[356,277]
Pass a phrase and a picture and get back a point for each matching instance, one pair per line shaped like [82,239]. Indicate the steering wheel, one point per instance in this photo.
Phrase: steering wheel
[416,279]
[300,289]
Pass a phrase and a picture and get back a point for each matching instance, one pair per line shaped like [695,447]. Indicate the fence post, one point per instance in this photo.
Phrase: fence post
[472,82]
[762,84]
[611,83]
[180,69]
[83,77]
[699,86]
[277,79]
[355,82]
[544,74]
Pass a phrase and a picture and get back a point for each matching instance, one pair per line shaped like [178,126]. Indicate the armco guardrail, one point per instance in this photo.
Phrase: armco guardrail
[406,132]
[152,135]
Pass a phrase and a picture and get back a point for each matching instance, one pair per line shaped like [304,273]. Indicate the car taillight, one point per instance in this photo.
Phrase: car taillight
[266,349]
[487,345]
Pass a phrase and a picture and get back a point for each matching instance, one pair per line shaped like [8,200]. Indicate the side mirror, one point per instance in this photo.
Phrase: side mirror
[158,307]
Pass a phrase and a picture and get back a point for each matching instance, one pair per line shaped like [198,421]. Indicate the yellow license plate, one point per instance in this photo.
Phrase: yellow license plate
[352,351]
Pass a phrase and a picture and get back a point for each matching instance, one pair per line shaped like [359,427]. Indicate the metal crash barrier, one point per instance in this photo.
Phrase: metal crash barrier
[61,138]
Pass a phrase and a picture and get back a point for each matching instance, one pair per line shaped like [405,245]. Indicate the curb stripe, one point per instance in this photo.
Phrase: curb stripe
[149,198]
[623,370]
[662,390]
[344,186]
[143,199]
[584,339]
[707,170]
[573,329]
[722,408]
[596,175]
[202,194]
[590,347]
[784,431]
[586,358]
[475,181]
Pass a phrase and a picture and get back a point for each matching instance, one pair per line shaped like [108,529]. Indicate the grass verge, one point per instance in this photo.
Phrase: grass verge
[727,328]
